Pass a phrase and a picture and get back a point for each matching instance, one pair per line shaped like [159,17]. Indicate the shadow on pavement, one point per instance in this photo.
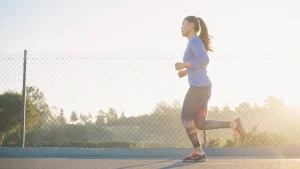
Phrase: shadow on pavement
[180,164]
[174,165]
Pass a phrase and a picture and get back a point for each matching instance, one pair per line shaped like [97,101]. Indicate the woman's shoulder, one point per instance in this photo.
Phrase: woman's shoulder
[195,39]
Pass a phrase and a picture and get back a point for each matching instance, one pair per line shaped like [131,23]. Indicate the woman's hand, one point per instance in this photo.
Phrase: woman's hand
[182,73]
[180,65]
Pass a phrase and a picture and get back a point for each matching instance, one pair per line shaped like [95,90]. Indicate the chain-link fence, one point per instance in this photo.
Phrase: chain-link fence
[125,100]
[11,78]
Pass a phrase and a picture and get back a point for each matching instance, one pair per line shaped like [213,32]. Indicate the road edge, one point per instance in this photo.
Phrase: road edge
[60,152]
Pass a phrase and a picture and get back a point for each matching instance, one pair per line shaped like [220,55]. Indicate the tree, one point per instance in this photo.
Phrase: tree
[74,117]
[10,113]
[176,104]
[274,103]
[37,97]
[123,119]
[243,107]
[244,110]
[123,115]
[61,119]
[85,119]
[161,108]
[101,117]
[89,118]
[112,116]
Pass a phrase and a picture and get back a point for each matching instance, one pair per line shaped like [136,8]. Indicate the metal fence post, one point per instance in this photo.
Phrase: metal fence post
[204,138]
[24,100]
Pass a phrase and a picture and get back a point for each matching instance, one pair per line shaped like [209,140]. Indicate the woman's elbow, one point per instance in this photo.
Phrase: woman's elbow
[205,62]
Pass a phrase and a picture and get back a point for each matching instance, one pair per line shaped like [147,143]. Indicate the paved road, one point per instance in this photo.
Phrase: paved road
[68,163]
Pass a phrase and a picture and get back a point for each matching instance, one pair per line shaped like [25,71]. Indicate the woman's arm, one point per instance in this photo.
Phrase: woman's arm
[201,58]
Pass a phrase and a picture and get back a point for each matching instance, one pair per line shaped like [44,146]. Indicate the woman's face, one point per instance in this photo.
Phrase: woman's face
[186,28]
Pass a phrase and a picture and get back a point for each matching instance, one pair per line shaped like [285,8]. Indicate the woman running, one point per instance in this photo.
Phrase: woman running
[195,109]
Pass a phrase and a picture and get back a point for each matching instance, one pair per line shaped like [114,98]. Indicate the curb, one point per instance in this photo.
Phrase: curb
[283,152]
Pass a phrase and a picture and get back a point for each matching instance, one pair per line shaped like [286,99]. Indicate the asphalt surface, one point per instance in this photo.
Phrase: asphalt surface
[73,163]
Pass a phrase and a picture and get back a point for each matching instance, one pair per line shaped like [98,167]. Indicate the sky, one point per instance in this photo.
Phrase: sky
[128,50]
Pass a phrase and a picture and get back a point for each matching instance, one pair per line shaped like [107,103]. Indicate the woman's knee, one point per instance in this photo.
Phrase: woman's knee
[187,122]
[201,124]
